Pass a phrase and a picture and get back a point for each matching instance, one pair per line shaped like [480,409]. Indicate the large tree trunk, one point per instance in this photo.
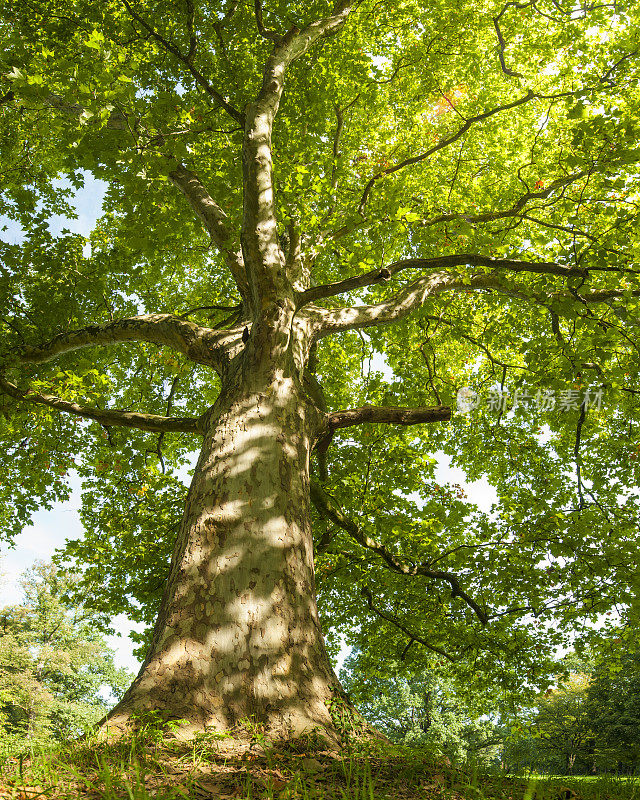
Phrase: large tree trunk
[238,635]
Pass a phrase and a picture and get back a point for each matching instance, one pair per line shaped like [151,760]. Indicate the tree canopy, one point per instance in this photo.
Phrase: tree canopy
[451,191]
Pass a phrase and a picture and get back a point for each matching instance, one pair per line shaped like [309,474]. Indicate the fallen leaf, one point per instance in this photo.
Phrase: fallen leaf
[276,784]
[312,765]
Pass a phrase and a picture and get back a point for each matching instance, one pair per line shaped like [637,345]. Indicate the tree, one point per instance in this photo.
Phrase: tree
[589,721]
[564,724]
[612,702]
[425,709]
[54,663]
[291,191]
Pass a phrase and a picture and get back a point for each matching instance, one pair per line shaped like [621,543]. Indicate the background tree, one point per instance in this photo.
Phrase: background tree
[296,194]
[427,709]
[57,676]
[588,723]
[564,723]
[612,699]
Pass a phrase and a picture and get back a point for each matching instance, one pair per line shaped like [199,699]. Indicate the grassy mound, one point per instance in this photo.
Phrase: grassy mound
[148,766]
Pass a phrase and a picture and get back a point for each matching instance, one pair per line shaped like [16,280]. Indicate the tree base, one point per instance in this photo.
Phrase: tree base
[338,724]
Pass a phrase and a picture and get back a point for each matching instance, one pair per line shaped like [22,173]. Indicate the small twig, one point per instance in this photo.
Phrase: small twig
[576,452]
[412,636]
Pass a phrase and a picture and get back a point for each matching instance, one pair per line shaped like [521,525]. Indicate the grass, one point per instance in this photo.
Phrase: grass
[585,787]
[154,768]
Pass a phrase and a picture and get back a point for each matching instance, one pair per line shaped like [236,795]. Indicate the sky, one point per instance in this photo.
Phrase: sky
[51,528]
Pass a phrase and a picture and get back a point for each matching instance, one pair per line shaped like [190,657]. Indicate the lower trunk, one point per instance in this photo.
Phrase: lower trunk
[238,636]
[570,760]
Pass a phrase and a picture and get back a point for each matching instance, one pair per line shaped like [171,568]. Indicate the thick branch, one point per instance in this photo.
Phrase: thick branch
[415,294]
[106,417]
[439,262]
[400,305]
[197,343]
[388,414]
[214,220]
[330,509]
[604,295]
[261,248]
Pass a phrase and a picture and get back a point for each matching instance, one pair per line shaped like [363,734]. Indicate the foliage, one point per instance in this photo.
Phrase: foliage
[589,722]
[426,710]
[560,734]
[485,155]
[614,703]
[57,675]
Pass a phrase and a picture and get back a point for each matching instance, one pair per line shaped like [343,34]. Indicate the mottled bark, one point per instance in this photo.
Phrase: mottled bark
[238,634]
[106,417]
[388,414]
[197,343]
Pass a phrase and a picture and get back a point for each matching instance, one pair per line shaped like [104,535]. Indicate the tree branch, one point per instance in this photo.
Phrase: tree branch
[336,150]
[410,297]
[264,32]
[387,414]
[214,220]
[438,262]
[186,60]
[260,243]
[576,452]
[106,417]
[604,295]
[330,509]
[489,216]
[193,39]
[366,593]
[440,145]
[501,42]
[448,140]
[327,321]
[197,343]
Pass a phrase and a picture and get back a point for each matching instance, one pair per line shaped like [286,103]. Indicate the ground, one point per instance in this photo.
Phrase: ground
[150,767]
